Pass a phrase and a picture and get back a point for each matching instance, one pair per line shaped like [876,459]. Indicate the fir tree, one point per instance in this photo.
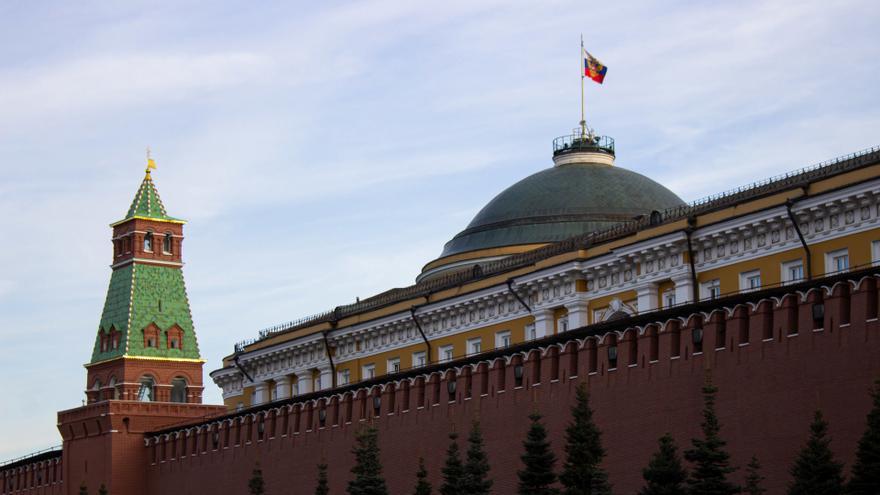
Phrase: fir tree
[711,462]
[322,488]
[453,469]
[367,469]
[255,484]
[83,489]
[664,474]
[538,475]
[866,470]
[753,478]
[582,473]
[815,471]
[476,467]
[423,486]
[102,490]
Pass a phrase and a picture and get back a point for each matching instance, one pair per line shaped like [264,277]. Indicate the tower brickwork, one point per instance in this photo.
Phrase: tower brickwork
[145,370]
[146,347]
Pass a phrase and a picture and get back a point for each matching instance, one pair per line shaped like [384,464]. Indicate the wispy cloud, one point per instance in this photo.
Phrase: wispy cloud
[325,152]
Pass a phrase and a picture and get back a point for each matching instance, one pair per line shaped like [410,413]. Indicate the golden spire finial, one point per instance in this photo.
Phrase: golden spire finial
[151,164]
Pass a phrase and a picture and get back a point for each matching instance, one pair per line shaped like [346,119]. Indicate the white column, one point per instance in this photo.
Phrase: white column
[282,387]
[261,393]
[325,379]
[684,288]
[647,297]
[543,323]
[304,381]
[577,314]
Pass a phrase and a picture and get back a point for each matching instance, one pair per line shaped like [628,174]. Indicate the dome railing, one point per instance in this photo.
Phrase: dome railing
[583,142]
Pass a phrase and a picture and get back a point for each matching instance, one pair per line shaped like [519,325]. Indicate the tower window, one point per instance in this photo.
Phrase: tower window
[148,242]
[178,390]
[167,243]
[145,393]
[174,337]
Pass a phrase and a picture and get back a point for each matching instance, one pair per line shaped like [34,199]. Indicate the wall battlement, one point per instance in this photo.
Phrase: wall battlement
[770,353]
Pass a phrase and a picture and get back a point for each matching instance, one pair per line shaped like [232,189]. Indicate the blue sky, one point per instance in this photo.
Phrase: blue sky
[325,150]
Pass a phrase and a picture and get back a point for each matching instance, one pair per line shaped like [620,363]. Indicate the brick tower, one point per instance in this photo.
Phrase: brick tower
[146,346]
[145,372]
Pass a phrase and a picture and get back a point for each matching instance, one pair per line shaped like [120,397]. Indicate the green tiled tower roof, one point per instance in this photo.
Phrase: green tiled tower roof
[140,295]
[147,203]
[143,295]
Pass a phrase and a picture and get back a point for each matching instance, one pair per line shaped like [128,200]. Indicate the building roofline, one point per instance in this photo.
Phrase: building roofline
[766,187]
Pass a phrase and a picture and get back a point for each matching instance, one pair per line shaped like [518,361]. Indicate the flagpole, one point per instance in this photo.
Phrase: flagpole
[583,120]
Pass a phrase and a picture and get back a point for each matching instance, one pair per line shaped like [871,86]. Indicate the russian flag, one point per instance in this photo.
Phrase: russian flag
[594,69]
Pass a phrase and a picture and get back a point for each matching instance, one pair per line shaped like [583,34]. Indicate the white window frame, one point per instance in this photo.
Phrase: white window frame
[746,279]
[445,353]
[419,359]
[391,363]
[668,298]
[562,324]
[344,377]
[786,268]
[831,260]
[709,286]
[531,332]
[503,339]
[368,371]
[875,253]
[474,346]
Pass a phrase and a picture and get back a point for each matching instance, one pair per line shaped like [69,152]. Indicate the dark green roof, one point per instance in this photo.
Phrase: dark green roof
[147,203]
[140,295]
[561,202]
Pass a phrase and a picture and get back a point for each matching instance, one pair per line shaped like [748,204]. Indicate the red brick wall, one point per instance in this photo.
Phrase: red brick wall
[37,478]
[104,441]
[770,379]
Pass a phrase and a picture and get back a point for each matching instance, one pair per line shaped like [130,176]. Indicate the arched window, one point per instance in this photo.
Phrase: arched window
[147,391]
[178,390]
[167,243]
[97,385]
[148,242]
[114,394]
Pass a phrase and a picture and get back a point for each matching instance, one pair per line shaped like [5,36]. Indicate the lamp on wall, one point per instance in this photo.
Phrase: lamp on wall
[450,387]
[518,372]
[377,404]
[322,416]
[612,353]
[698,335]
[819,313]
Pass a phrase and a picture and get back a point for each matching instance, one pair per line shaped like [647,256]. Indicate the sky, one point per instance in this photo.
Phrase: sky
[323,151]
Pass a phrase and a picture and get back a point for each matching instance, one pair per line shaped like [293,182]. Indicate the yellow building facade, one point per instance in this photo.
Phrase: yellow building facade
[580,243]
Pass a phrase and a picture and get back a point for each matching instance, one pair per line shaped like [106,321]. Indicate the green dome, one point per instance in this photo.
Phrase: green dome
[561,202]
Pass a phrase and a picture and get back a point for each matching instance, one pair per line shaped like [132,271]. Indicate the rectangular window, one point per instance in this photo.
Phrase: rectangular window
[474,346]
[792,271]
[344,377]
[837,261]
[418,359]
[712,289]
[669,298]
[394,365]
[445,353]
[750,280]
[368,371]
[531,333]
[562,324]
[502,339]
[875,253]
